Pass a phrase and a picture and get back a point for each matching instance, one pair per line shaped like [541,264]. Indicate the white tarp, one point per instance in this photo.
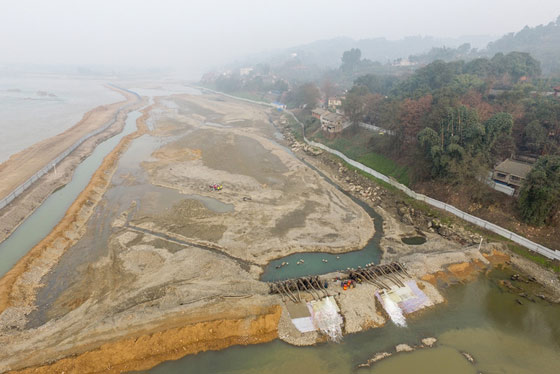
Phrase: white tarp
[304,324]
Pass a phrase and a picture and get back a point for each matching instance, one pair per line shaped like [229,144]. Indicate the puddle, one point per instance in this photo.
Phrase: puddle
[212,204]
[414,240]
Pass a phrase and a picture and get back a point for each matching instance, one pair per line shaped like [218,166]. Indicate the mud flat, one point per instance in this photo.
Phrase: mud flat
[174,275]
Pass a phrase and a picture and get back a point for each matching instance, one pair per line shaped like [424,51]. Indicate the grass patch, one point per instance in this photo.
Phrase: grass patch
[249,95]
[385,166]
[535,257]
[355,146]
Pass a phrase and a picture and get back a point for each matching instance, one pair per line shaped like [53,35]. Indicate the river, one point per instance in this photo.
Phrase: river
[479,318]
[37,106]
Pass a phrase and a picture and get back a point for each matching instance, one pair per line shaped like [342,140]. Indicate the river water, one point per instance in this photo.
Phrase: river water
[479,318]
[37,106]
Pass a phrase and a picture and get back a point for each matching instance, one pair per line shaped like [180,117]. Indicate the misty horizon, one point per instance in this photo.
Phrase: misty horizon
[194,37]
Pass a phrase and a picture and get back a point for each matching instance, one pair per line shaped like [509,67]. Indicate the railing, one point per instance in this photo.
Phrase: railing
[547,252]
[375,128]
[25,185]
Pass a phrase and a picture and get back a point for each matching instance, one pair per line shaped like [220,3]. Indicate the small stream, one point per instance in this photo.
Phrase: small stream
[46,217]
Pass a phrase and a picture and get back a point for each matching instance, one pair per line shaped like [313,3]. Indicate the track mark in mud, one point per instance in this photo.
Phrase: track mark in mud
[245,265]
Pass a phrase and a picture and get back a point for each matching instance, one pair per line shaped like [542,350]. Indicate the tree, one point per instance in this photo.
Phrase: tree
[306,95]
[350,60]
[535,137]
[412,119]
[498,126]
[328,88]
[353,105]
[376,84]
[539,198]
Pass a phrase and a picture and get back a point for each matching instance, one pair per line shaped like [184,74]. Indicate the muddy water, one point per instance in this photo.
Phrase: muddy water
[479,318]
[45,218]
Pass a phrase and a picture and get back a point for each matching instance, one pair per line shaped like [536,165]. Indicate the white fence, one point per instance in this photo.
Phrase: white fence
[547,252]
[25,185]
[377,129]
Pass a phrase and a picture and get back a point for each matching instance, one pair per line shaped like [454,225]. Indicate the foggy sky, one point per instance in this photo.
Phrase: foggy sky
[188,34]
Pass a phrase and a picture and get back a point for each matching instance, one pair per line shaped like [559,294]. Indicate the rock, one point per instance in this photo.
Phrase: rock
[377,357]
[404,348]
[407,219]
[429,342]
[469,357]
[518,301]
[444,231]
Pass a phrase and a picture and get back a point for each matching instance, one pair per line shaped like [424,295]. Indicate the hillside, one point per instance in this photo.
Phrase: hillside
[326,53]
[542,42]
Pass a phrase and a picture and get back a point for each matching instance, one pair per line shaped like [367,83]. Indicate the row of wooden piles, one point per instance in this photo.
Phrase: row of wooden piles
[292,288]
[378,275]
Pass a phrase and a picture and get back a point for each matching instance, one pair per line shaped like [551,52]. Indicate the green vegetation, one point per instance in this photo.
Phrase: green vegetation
[463,144]
[385,166]
[306,95]
[541,41]
[539,199]
[355,146]
[534,257]
[449,219]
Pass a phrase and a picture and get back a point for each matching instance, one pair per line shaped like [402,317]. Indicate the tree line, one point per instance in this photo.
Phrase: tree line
[454,121]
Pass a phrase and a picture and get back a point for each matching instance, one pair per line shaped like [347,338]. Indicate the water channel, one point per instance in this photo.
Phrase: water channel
[46,217]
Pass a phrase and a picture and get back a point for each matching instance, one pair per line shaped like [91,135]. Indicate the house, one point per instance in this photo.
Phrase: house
[333,123]
[334,102]
[511,172]
[318,112]
[245,71]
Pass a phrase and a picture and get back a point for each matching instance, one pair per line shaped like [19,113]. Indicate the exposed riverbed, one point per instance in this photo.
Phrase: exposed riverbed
[45,218]
[162,265]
